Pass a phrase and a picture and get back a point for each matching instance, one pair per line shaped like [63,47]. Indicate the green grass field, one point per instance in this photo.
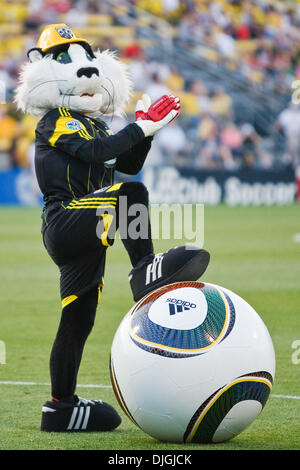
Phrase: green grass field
[254,252]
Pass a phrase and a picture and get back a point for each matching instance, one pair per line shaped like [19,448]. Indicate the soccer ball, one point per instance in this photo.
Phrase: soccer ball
[192,362]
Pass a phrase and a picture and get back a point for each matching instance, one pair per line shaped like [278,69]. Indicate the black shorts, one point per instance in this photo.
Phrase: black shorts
[76,235]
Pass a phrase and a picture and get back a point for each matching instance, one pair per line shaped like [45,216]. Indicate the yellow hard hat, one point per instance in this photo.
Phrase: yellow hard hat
[55,35]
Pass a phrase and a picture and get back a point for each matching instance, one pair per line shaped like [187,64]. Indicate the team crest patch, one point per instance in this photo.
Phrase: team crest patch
[74,125]
[65,33]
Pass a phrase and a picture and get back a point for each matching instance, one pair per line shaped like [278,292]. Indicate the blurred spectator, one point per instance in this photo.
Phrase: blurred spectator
[77,15]
[189,30]
[289,122]
[175,81]
[172,142]
[157,87]
[138,66]
[202,98]
[231,137]
[225,42]
[9,132]
[221,104]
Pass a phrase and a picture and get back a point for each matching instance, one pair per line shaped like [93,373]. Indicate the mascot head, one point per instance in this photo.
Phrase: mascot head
[64,71]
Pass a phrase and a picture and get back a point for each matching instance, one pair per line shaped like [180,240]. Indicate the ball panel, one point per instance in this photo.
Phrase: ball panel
[188,320]
[160,426]
[213,411]
[237,420]
[248,347]
[189,300]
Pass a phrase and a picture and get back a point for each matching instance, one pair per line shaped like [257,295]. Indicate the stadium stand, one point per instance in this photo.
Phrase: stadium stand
[232,63]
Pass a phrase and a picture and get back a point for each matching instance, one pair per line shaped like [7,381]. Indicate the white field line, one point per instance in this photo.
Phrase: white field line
[290,397]
[296,237]
[6,382]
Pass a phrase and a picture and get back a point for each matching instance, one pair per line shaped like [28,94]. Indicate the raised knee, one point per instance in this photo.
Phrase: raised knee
[136,189]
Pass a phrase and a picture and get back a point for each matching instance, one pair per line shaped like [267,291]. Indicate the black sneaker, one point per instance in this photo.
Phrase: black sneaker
[78,414]
[183,263]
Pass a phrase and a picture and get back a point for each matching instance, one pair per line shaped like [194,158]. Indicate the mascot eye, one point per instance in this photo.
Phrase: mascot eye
[88,56]
[63,58]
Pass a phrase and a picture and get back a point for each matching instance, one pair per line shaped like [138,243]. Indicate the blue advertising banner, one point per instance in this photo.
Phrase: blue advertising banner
[19,187]
[248,187]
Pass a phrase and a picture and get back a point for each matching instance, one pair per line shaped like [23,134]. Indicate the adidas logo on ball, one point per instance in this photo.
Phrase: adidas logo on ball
[177,305]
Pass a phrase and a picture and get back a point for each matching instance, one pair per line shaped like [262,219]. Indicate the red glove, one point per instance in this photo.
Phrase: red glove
[160,108]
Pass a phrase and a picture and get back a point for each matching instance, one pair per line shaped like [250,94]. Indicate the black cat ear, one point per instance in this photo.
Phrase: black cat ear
[35,54]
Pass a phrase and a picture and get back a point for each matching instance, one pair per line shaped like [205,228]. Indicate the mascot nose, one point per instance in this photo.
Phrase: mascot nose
[87,71]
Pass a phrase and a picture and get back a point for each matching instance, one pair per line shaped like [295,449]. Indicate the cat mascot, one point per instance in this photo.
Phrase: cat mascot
[72,88]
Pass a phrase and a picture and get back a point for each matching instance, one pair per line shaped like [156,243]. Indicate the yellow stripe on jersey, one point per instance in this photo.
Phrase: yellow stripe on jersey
[107,220]
[100,199]
[66,125]
[92,202]
[68,179]
[85,135]
[89,179]
[90,207]
[115,187]
[83,199]
[64,112]
[67,300]
[99,203]
[100,287]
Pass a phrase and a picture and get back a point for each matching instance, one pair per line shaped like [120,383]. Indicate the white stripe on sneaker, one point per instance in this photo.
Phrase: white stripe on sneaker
[86,418]
[47,409]
[81,410]
[154,269]
[73,417]
[79,418]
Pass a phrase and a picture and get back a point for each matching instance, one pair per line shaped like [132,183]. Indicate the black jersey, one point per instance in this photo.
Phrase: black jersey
[76,155]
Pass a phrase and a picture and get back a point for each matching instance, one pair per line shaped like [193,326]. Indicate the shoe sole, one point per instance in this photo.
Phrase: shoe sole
[191,271]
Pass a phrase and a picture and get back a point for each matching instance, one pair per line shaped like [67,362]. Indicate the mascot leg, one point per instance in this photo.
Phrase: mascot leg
[138,248]
[150,271]
[66,411]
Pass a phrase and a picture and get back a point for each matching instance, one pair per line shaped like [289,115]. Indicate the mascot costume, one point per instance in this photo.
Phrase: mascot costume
[71,87]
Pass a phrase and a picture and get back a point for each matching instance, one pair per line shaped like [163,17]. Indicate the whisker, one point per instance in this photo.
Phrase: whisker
[43,83]
[113,98]
[110,98]
[68,93]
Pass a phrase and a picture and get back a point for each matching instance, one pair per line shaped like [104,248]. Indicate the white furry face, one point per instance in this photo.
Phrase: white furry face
[76,81]
[81,74]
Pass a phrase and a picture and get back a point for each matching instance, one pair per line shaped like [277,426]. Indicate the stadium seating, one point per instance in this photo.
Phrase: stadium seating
[231,45]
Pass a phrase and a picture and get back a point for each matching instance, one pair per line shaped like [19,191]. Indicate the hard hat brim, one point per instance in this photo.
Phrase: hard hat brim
[66,41]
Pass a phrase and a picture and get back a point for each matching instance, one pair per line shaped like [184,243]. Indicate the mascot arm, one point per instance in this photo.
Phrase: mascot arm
[102,150]
[132,162]
[71,135]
